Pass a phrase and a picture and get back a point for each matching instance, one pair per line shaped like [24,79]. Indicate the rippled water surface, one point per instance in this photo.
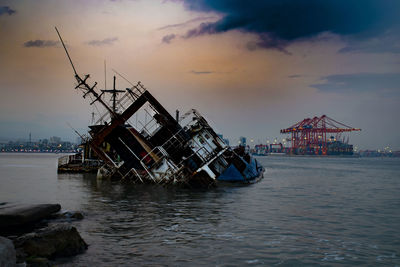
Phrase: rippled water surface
[305,212]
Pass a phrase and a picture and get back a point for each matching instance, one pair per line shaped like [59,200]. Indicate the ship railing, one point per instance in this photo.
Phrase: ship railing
[131,95]
[125,101]
[150,127]
[133,172]
[158,154]
[144,175]
[176,141]
[167,144]
[154,154]
[104,118]
[149,174]
[163,177]
[140,160]
[204,157]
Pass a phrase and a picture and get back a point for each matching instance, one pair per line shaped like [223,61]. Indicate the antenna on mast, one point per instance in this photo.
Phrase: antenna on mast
[92,121]
[66,51]
[120,75]
[105,75]
[114,93]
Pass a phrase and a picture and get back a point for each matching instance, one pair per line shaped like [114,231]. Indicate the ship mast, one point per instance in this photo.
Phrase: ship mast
[82,84]
[114,93]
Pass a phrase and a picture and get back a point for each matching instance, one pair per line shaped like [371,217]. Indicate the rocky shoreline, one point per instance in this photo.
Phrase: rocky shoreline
[34,235]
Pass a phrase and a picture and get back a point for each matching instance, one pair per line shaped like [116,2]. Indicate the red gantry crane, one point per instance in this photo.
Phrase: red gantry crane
[316,135]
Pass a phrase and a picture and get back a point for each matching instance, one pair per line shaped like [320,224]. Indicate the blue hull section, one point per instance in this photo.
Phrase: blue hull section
[231,174]
[252,171]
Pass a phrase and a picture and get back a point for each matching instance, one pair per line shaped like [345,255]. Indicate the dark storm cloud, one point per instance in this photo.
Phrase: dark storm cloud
[268,42]
[285,21]
[168,38]
[361,82]
[186,23]
[40,43]
[6,10]
[106,41]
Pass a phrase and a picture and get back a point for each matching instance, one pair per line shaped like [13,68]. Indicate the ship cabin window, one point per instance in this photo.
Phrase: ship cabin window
[207,136]
[201,140]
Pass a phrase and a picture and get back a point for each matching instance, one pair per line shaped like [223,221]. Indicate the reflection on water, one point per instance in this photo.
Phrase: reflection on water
[145,223]
[306,211]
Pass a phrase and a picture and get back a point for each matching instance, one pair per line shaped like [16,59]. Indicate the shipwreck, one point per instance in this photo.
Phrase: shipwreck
[138,140]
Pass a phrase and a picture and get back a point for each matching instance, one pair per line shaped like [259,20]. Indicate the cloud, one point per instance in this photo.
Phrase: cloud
[388,42]
[168,38]
[295,76]
[279,23]
[268,42]
[201,72]
[41,43]
[186,23]
[361,82]
[106,41]
[6,10]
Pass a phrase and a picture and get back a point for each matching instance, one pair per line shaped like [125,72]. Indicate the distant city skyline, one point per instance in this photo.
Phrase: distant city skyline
[230,141]
[251,68]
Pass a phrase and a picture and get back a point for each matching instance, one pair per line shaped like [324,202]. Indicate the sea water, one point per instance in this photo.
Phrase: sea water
[307,211]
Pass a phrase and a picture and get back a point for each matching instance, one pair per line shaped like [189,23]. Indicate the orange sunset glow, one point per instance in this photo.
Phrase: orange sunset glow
[244,88]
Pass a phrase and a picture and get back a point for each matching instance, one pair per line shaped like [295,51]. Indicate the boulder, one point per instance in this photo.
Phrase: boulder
[22,215]
[7,253]
[58,240]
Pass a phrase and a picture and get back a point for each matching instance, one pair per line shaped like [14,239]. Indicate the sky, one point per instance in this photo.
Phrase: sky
[250,67]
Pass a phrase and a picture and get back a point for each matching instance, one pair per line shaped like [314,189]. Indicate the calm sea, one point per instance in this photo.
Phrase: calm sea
[305,212]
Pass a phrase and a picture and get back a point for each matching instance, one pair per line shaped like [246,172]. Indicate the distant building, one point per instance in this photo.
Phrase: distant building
[242,141]
[55,140]
[55,146]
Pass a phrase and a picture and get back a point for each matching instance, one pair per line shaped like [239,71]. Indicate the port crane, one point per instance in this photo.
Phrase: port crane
[316,135]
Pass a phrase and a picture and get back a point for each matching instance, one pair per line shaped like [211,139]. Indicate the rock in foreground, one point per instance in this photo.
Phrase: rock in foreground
[54,241]
[16,216]
[7,253]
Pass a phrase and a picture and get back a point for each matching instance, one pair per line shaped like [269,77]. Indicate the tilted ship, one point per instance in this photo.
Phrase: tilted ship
[137,139]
